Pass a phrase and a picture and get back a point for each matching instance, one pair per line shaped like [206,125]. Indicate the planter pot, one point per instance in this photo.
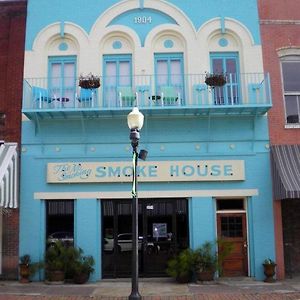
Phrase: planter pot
[81,278]
[206,275]
[214,80]
[56,276]
[183,278]
[24,273]
[269,271]
[89,83]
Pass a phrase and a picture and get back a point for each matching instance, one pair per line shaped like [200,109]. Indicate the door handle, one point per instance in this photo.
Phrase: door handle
[245,245]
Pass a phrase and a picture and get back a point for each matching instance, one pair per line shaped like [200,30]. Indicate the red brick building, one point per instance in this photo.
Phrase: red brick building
[280,32]
[12,37]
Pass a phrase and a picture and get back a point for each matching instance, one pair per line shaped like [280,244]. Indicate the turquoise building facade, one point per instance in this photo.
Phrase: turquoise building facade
[207,174]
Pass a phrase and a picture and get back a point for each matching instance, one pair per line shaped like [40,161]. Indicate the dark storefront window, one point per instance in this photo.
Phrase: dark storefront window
[60,221]
[163,231]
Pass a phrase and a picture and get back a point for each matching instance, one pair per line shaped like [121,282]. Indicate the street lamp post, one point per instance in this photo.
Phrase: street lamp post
[135,121]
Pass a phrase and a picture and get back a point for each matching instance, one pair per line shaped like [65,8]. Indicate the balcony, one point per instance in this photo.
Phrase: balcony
[243,94]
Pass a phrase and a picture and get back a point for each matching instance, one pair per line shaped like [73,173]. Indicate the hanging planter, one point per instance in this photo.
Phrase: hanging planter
[89,82]
[214,80]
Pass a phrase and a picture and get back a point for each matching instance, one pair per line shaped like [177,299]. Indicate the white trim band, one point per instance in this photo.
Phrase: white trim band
[146,194]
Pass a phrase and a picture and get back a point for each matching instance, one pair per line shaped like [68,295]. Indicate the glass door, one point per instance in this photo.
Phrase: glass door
[62,80]
[226,63]
[169,76]
[163,231]
[116,73]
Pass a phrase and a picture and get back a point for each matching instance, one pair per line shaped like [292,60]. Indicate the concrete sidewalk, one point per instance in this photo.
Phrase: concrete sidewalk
[154,289]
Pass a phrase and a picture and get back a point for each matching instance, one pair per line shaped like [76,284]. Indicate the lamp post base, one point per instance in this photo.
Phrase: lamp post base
[135,296]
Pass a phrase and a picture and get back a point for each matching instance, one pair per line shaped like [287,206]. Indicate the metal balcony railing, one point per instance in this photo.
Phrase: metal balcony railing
[148,92]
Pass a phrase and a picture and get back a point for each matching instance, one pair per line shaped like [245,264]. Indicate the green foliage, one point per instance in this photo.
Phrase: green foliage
[55,257]
[182,265]
[269,261]
[205,258]
[25,259]
[71,260]
[85,264]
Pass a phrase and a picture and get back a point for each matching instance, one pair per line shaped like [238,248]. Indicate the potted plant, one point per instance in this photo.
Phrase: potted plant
[181,267]
[55,262]
[215,79]
[78,267]
[83,267]
[25,261]
[269,269]
[89,81]
[27,268]
[205,262]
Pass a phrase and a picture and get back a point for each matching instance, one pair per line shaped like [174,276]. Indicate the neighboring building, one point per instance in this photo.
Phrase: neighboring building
[12,41]
[208,170]
[281,52]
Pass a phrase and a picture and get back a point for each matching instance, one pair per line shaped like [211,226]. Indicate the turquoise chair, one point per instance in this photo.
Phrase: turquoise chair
[41,97]
[86,97]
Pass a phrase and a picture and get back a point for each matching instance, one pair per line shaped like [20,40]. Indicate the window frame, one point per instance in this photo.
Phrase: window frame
[290,59]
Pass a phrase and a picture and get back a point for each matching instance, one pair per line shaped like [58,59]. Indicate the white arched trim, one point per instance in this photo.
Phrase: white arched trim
[236,28]
[167,29]
[51,32]
[117,31]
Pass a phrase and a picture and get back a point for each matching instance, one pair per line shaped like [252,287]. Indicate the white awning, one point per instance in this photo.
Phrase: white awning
[8,175]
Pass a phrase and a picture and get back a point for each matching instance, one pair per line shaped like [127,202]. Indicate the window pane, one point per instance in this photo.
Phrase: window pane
[69,74]
[124,71]
[231,66]
[162,72]
[291,107]
[175,66]
[217,65]
[291,76]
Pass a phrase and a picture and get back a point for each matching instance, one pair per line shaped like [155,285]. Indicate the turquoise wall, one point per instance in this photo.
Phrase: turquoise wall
[41,13]
[178,136]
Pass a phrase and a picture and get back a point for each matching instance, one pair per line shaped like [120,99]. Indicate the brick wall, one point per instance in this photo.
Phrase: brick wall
[280,28]
[12,39]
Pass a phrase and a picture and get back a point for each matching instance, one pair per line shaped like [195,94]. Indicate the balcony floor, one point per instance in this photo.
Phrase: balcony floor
[76,113]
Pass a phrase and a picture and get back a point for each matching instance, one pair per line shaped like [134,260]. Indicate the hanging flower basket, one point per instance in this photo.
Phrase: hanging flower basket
[89,82]
[214,80]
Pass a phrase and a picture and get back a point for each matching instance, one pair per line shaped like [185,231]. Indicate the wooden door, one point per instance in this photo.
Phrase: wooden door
[232,228]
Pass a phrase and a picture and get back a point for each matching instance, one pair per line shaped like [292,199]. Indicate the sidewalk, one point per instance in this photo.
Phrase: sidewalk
[154,289]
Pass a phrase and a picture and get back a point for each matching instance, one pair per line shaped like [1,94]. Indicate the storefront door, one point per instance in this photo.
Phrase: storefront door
[232,228]
[163,231]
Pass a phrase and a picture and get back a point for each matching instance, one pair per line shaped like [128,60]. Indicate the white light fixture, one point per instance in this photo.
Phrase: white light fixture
[135,119]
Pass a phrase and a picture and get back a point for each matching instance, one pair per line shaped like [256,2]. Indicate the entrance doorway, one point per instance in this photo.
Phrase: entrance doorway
[231,227]
[163,231]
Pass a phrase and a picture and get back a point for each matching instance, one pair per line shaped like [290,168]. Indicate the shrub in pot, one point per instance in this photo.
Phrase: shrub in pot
[55,262]
[181,266]
[205,259]
[27,268]
[78,266]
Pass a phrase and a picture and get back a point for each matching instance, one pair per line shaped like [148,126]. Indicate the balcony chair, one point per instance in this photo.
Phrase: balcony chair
[126,96]
[86,97]
[41,98]
[169,95]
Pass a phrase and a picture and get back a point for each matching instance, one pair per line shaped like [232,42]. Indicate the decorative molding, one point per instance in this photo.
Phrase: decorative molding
[280,22]
[287,51]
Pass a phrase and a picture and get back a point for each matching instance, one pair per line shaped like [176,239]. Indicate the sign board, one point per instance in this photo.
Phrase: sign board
[153,171]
